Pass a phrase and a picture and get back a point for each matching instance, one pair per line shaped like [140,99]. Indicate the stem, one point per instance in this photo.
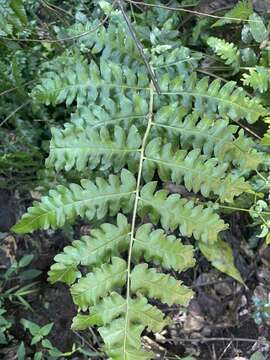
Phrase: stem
[242,209]
[134,214]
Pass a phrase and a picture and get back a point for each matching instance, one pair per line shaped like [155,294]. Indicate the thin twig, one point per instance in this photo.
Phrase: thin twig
[248,130]
[14,112]
[16,87]
[55,8]
[140,48]
[196,13]
[231,339]
[212,75]
[84,341]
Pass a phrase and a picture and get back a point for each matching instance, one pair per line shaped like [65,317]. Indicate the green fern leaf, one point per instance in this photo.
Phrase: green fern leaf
[113,42]
[120,113]
[258,78]
[12,17]
[159,286]
[226,51]
[110,240]
[227,100]
[82,322]
[193,169]
[89,289]
[215,137]
[65,270]
[91,250]
[176,61]
[88,83]
[241,11]
[124,342]
[161,249]
[93,148]
[174,212]
[113,306]
[90,200]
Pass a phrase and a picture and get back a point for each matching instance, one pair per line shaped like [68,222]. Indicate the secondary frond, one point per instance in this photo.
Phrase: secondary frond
[258,79]
[216,137]
[106,241]
[12,17]
[102,148]
[110,240]
[226,51]
[176,61]
[159,286]
[89,83]
[192,169]
[161,249]
[113,42]
[90,200]
[174,212]
[212,98]
[241,11]
[121,113]
[97,284]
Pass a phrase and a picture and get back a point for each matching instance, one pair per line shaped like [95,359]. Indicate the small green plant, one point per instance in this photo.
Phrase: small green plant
[43,348]
[12,289]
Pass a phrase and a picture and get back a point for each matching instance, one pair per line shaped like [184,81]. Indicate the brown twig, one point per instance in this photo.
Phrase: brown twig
[230,339]
[196,13]
[16,87]
[14,112]
[139,47]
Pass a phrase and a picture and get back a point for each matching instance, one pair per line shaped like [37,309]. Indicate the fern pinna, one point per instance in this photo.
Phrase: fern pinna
[131,141]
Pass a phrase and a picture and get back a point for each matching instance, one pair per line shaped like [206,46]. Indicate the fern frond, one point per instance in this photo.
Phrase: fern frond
[89,83]
[123,341]
[193,169]
[113,306]
[97,284]
[161,249]
[159,286]
[94,148]
[215,137]
[258,78]
[176,61]
[121,320]
[12,16]
[121,113]
[105,241]
[226,51]
[174,212]
[110,240]
[227,100]
[241,11]
[113,42]
[90,200]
